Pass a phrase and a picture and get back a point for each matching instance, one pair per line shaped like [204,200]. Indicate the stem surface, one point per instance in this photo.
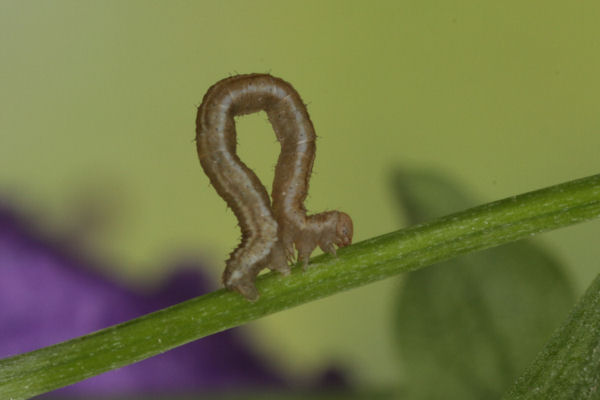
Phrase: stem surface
[485,226]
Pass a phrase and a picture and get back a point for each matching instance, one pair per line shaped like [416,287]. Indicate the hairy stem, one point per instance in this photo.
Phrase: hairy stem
[408,249]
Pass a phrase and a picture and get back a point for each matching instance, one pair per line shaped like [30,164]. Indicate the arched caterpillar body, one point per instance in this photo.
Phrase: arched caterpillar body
[269,231]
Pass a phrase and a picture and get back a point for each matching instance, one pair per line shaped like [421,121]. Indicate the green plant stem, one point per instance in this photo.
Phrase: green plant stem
[481,227]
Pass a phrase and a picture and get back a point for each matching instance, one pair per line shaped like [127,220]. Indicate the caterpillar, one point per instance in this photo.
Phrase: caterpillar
[270,231]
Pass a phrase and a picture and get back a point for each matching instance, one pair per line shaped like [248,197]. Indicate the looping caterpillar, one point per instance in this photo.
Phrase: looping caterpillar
[270,231]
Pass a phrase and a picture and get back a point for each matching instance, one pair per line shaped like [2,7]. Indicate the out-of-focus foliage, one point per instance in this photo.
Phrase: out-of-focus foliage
[467,327]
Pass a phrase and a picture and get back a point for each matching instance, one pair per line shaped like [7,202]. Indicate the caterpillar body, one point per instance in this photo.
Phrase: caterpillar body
[270,230]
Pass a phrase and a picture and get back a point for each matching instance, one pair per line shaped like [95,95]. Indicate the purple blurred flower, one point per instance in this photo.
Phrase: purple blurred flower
[48,295]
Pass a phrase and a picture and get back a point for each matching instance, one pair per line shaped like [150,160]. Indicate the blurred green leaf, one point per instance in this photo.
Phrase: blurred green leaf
[467,327]
[569,366]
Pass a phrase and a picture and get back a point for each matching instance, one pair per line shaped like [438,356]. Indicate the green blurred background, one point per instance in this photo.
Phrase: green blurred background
[97,111]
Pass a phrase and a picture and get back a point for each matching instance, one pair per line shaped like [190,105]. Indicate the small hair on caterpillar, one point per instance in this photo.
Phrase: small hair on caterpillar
[271,230]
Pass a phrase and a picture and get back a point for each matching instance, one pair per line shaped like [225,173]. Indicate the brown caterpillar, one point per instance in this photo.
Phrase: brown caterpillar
[269,232]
